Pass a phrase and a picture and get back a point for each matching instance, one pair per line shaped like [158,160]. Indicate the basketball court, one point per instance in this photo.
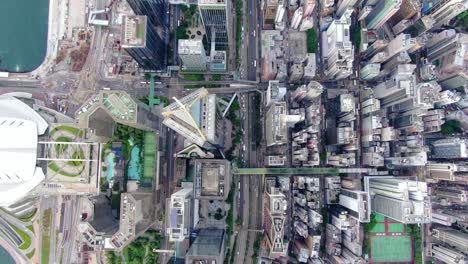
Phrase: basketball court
[389,242]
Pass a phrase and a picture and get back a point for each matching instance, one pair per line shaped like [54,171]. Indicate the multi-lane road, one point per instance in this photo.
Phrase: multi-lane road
[250,33]
[251,187]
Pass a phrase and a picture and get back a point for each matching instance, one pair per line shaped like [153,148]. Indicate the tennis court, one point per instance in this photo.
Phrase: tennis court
[390,249]
[149,158]
[396,228]
[379,218]
[378,228]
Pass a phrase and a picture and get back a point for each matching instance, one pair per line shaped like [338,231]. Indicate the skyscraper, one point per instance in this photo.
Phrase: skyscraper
[215,18]
[448,50]
[192,54]
[405,201]
[152,56]
[156,11]
[383,11]
[141,41]
[196,118]
[179,214]
[400,43]
[208,247]
[398,88]
[337,49]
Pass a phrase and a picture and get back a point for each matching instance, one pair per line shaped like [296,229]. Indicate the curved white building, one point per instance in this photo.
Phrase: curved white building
[20,127]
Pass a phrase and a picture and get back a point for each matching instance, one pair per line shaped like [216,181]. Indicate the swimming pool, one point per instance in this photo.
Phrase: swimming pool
[110,166]
[134,167]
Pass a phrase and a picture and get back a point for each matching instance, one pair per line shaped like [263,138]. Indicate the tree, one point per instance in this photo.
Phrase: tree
[312,44]
[451,127]
[181,32]
[356,35]
[183,8]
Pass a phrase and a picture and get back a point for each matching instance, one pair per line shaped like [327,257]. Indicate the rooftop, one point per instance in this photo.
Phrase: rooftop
[209,242]
[212,178]
[190,47]
[20,127]
[134,31]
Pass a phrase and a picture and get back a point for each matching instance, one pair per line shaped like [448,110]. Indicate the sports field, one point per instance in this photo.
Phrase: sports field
[389,242]
[390,249]
[378,228]
[149,158]
[396,228]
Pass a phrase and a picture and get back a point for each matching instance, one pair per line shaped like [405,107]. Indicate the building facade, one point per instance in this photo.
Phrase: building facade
[215,16]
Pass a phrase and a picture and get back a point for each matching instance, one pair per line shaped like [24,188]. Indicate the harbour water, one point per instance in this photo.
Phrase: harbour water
[5,257]
[23,41]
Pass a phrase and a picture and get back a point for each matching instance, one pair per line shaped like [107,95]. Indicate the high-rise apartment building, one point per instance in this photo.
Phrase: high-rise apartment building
[452,194]
[443,11]
[446,254]
[452,237]
[442,171]
[382,12]
[275,92]
[215,15]
[308,6]
[377,46]
[307,23]
[408,9]
[297,18]
[449,51]
[337,49]
[398,88]
[270,12]
[357,203]
[307,92]
[278,120]
[399,44]
[405,201]
[423,97]
[275,217]
[343,5]
[370,71]
[179,220]
[192,54]
[450,148]
[141,41]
